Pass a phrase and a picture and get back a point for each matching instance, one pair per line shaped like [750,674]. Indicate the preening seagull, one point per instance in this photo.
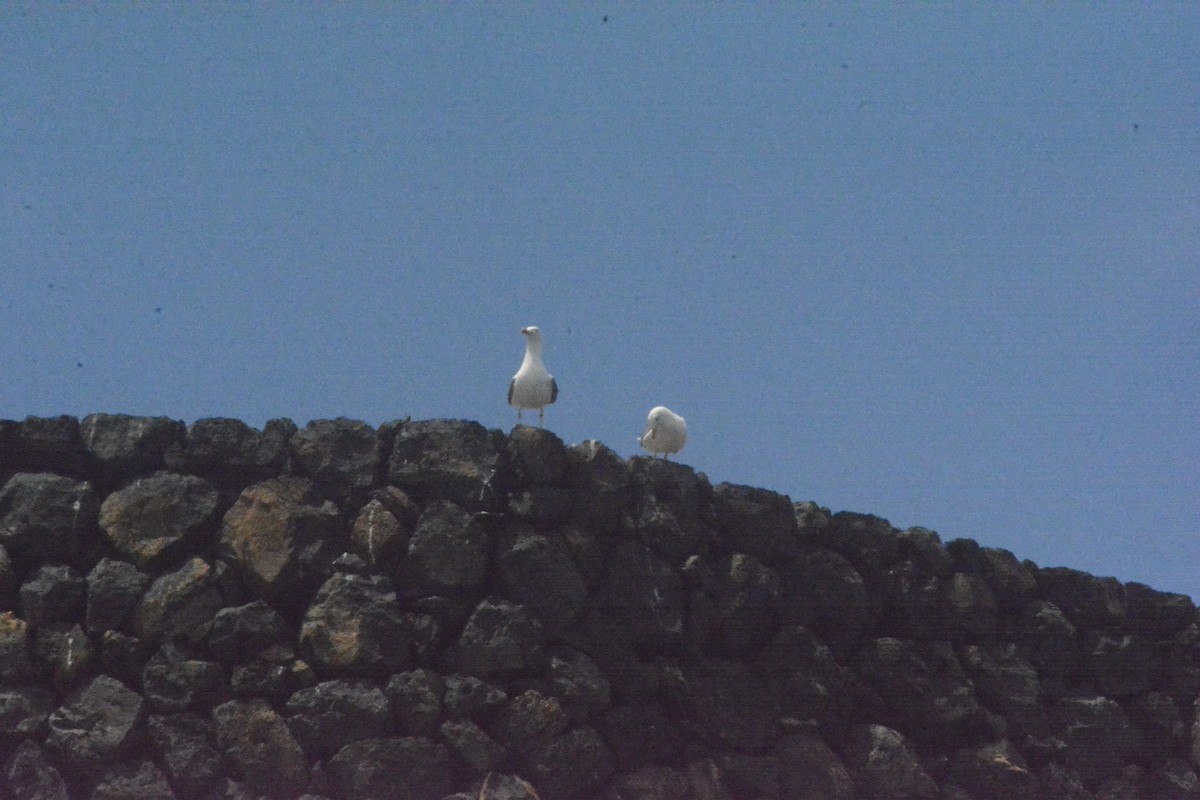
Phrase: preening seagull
[666,432]
[532,386]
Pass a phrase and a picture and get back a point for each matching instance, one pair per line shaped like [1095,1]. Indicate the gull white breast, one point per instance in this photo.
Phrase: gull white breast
[666,432]
[532,386]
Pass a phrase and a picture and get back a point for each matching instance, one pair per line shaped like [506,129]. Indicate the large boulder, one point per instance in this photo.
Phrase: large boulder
[113,590]
[185,745]
[180,603]
[1098,739]
[1087,600]
[500,638]
[447,554]
[642,594]
[537,571]
[883,764]
[327,717]
[256,741]
[30,775]
[153,519]
[924,692]
[757,522]
[230,453]
[123,446]
[48,518]
[342,456]
[96,726]
[47,444]
[355,627]
[53,594]
[281,539]
[445,459]
[396,768]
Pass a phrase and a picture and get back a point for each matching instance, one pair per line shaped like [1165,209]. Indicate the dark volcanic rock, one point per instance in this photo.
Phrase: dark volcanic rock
[230,453]
[151,520]
[242,632]
[472,745]
[280,541]
[536,456]
[809,768]
[884,764]
[538,572]
[415,698]
[968,608]
[65,653]
[579,684]
[909,601]
[185,745]
[173,681]
[825,593]
[500,638]
[50,444]
[1099,739]
[571,765]
[1007,683]
[327,717]
[528,720]
[870,543]
[749,604]
[806,679]
[757,522]
[995,770]
[1158,614]
[113,591]
[96,725]
[601,486]
[1088,601]
[673,512]
[29,775]
[48,518]
[642,734]
[400,768]
[380,533]
[447,554]
[925,550]
[1011,582]
[342,456]
[24,713]
[15,663]
[180,603]
[140,781]
[257,742]
[1047,638]
[53,594]
[122,446]
[925,692]
[1119,666]
[644,595]
[8,581]
[355,626]
[468,696]
[453,460]
[730,704]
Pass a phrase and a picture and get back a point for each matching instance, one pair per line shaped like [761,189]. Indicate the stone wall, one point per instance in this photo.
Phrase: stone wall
[431,608]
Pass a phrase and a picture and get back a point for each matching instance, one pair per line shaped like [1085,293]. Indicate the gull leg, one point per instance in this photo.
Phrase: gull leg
[541,416]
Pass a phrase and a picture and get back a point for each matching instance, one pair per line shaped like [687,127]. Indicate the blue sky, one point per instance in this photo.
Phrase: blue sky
[939,263]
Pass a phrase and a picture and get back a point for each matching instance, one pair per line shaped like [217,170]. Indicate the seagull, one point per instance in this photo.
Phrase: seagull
[666,432]
[532,386]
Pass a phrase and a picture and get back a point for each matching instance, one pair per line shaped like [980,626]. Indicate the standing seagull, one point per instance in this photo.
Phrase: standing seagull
[666,432]
[532,386]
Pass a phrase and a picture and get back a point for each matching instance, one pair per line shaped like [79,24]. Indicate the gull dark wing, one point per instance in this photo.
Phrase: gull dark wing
[553,390]
[511,385]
